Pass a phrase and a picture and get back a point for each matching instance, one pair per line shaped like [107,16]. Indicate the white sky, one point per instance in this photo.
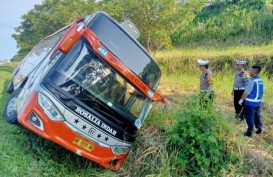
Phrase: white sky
[11,12]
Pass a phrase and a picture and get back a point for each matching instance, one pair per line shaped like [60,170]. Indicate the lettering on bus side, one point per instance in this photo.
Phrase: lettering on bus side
[118,65]
[130,75]
[95,120]
[135,79]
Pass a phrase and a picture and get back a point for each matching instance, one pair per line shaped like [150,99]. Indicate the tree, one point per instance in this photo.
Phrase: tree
[47,18]
[156,19]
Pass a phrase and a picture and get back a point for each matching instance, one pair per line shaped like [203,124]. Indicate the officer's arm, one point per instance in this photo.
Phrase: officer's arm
[246,77]
[210,79]
[210,87]
[244,96]
[232,92]
[248,89]
[210,82]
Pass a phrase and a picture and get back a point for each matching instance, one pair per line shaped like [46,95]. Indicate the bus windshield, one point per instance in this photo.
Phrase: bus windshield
[84,75]
[126,49]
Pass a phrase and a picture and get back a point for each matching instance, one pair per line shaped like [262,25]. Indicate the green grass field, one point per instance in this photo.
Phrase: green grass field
[23,153]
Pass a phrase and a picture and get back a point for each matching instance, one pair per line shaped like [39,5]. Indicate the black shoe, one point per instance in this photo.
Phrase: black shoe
[247,134]
[259,131]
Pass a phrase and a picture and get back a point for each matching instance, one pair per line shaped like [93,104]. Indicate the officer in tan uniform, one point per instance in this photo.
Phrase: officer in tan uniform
[240,81]
[206,84]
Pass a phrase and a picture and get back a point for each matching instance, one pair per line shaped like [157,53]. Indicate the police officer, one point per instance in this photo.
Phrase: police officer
[240,81]
[252,98]
[206,84]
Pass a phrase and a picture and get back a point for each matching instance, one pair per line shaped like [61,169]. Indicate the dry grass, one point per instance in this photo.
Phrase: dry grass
[243,52]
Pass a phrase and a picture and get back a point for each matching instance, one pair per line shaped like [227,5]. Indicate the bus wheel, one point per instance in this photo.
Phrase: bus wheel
[10,112]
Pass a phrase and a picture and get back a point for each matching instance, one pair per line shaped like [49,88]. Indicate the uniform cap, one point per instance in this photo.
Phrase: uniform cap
[240,62]
[202,62]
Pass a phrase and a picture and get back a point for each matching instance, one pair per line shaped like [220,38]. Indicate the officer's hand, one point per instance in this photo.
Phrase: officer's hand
[240,102]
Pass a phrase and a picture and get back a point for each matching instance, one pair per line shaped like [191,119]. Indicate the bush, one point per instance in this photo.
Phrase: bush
[199,136]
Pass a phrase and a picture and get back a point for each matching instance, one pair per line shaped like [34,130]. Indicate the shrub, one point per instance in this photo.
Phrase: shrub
[199,136]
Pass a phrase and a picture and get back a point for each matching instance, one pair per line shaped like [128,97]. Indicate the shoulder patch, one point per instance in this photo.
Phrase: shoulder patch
[246,74]
[210,78]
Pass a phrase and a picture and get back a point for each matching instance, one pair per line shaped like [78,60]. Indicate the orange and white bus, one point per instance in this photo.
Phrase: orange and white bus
[88,87]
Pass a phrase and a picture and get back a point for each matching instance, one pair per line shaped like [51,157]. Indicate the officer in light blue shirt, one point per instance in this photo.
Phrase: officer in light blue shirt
[240,81]
[252,99]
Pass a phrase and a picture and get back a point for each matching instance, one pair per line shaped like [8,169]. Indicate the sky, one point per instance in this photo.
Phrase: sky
[10,17]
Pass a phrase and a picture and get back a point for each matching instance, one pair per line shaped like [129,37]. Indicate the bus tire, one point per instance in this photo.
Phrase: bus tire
[10,112]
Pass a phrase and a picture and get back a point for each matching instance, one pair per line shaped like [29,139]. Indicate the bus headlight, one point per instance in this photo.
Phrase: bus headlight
[50,110]
[119,150]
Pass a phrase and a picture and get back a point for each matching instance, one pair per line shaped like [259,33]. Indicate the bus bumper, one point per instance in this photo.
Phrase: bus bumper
[58,132]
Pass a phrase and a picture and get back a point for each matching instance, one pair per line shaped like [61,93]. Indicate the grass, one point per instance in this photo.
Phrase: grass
[183,79]
[239,52]
[23,153]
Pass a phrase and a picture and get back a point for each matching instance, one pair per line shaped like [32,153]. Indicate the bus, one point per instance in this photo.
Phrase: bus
[88,88]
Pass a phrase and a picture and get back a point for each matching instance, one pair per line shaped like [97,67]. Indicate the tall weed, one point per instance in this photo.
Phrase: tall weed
[199,137]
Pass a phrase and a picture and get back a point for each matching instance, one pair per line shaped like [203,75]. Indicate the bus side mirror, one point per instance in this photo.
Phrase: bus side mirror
[71,37]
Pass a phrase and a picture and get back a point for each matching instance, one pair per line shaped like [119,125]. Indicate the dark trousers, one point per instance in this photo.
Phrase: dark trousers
[253,117]
[239,109]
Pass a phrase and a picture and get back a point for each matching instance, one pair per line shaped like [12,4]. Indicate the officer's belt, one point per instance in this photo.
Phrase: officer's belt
[239,88]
